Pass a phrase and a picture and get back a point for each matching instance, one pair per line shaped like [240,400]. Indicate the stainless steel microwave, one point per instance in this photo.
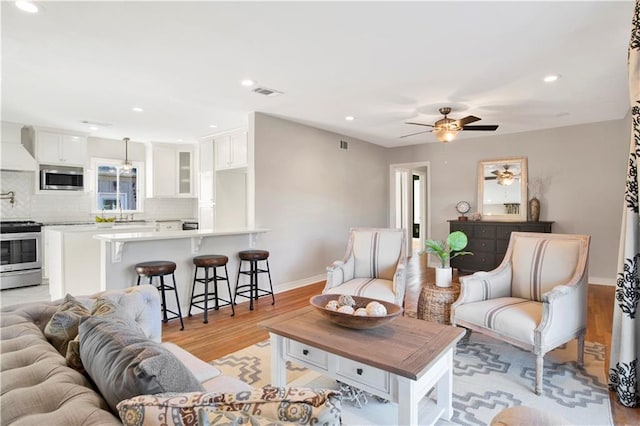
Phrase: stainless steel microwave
[63,178]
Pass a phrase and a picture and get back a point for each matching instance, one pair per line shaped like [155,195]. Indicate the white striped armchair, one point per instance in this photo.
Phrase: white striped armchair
[535,299]
[374,266]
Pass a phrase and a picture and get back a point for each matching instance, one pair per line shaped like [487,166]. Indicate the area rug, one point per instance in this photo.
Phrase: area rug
[489,376]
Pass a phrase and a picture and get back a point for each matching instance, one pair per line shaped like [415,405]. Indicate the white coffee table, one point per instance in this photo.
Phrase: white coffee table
[401,361]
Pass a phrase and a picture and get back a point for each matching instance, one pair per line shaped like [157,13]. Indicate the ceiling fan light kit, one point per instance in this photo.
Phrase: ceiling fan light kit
[446,129]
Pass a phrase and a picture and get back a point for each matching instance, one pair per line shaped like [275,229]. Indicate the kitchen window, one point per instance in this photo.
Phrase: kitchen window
[116,189]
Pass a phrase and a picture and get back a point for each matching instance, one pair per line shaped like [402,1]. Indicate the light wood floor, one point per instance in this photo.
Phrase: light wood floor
[225,334]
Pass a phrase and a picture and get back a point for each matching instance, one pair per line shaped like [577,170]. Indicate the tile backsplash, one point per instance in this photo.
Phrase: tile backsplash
[70,207]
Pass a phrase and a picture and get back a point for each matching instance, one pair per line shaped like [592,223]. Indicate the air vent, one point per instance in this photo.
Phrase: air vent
[266,92]
[344,145]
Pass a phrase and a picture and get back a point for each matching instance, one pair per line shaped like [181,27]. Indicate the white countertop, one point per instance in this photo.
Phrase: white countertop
[118,227]
[172,235]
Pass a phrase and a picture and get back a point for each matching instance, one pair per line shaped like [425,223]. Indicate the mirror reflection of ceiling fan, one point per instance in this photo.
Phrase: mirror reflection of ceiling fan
[503,177]
[446,129]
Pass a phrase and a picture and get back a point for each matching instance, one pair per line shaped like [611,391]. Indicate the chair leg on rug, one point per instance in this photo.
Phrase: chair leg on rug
[539,368]
[581,348]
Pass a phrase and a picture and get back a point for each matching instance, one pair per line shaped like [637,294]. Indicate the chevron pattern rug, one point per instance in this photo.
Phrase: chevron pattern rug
[489,376]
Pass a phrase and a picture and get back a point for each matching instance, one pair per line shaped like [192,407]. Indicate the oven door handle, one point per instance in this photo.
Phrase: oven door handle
[20,272]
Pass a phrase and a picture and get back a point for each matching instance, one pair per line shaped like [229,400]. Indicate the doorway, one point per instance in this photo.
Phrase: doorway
[409,203]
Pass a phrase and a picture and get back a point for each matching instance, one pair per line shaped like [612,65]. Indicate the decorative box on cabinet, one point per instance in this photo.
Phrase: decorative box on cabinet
[488,241]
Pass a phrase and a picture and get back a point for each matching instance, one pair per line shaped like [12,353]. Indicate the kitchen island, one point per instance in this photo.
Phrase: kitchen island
[72,256]
[119,252]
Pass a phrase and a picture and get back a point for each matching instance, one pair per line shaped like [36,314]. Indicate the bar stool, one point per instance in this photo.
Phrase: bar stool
[161,268]
[206,262]
[253,257]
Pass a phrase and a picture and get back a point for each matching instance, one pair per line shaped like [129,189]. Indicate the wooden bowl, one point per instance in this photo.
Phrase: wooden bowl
[353,321]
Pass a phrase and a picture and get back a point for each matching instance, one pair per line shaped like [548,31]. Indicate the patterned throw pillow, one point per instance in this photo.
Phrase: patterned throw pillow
[301,406]
[101,308]
[235,418]
[63,325]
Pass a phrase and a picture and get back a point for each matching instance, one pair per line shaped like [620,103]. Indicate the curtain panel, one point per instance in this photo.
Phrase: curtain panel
[625,338]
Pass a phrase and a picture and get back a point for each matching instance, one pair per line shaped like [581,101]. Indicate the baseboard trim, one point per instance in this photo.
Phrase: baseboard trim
[299,283]
[602,281]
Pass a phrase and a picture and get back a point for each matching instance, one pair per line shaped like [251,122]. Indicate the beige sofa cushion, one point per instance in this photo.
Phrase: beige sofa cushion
[37,387]
[508,316]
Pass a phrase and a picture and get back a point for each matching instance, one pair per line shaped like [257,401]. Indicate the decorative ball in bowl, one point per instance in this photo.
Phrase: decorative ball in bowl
[363,313]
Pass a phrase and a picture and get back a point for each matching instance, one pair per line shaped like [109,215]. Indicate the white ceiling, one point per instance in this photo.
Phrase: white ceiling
[383,62]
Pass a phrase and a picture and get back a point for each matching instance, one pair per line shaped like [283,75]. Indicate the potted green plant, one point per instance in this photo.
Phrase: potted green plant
[444,250]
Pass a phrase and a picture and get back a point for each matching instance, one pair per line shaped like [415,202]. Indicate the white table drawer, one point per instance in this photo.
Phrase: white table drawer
[306,354]
[361,373]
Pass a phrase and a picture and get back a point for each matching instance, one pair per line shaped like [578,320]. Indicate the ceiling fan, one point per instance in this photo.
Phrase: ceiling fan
[503,177]
[446,129]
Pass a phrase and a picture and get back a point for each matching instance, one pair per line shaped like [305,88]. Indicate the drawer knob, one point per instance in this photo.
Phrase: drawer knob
[305,352]
[359,371]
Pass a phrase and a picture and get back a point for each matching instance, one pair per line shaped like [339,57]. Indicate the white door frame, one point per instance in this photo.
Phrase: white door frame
[407,167]
[423,208]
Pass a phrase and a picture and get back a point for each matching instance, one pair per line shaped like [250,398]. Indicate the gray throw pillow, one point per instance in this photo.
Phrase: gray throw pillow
[123,363]
[63,325]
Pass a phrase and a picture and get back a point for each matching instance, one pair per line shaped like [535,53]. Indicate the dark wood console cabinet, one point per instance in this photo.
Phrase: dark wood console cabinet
[488,241]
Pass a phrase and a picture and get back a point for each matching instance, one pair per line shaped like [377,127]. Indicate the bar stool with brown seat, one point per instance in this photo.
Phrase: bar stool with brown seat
[253,257]
[207,262]
[161,268]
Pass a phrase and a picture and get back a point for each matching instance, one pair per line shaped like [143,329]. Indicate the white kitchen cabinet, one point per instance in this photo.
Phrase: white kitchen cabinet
[231,150]
[61,148]
[171,171]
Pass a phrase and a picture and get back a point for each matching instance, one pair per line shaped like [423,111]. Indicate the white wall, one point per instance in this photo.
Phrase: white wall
[309,193]
[583,166]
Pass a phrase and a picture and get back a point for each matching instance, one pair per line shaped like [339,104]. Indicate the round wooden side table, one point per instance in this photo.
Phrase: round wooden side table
[434,303]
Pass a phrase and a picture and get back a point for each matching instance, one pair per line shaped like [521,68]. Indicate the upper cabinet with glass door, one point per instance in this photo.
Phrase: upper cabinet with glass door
[171,172]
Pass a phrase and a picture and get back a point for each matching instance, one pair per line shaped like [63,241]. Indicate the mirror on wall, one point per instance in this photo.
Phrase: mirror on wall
[502,189]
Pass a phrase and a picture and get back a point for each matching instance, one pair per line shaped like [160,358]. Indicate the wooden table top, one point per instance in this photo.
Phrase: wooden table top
[406,346]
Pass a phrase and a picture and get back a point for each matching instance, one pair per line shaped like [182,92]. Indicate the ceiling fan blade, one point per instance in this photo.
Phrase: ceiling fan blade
[419,124]
[490,177]
[413,134]
[481,127]
[468,119]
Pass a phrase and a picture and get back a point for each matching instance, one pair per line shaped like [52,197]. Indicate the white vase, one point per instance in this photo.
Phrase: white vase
[443,277]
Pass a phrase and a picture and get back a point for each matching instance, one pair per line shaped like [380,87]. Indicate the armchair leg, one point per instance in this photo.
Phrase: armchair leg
[581,348]
[539,368]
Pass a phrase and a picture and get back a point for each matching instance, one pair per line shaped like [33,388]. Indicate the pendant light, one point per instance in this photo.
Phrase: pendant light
[127,165]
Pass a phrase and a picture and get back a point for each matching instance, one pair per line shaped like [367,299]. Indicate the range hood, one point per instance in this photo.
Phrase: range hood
[14,156]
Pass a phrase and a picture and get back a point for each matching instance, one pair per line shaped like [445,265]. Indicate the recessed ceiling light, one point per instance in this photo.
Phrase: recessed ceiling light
[137,109]
[247,82]
[551,78]
[180,140]
[213,126]
[349,118]
[93,128]
[27,6]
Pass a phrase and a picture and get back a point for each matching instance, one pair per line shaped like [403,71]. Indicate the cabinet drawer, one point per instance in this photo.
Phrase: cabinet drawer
[501,247]
[538,227]
[466,228]
[364,374]
[481,245]
[306,354]
[504,232]
[484,231]
[483,261]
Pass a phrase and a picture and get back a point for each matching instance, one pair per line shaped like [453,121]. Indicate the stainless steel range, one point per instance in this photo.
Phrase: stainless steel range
[21,254]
